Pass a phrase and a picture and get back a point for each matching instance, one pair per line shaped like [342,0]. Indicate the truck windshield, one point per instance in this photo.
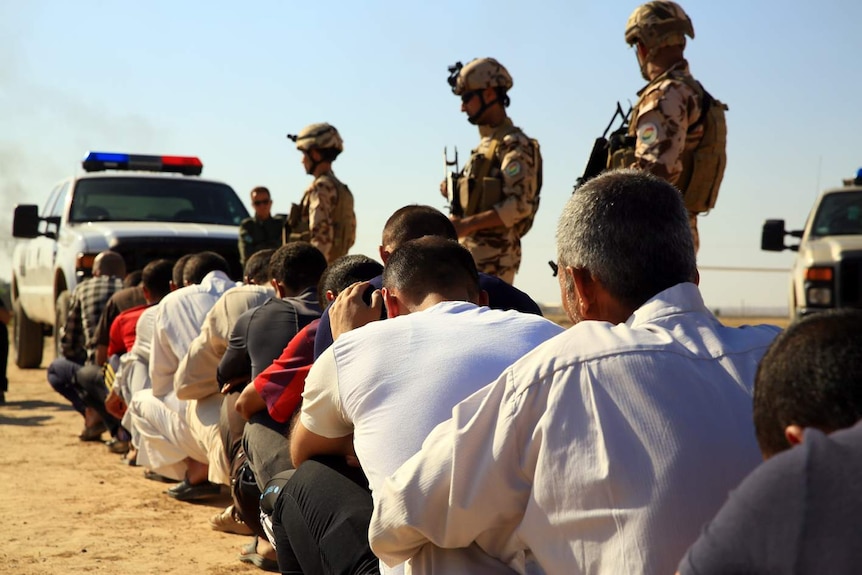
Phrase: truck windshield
[839,214]
[156,200]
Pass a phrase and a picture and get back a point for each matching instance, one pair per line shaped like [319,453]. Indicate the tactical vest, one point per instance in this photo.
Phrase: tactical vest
[703,166]
[343,220]
[480,187]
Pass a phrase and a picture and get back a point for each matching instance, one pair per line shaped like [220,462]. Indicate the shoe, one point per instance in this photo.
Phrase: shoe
[228,522]
[250,555]
[117,446]
[153,476]
[185,491]
[93,432]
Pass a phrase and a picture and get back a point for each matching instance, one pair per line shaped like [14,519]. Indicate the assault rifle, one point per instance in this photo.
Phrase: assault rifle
[605,146]
[452,183]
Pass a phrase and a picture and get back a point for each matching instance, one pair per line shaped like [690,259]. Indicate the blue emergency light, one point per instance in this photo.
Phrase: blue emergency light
[100,161]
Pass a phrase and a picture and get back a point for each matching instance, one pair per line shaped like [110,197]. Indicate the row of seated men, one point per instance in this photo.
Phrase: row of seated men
[468,434]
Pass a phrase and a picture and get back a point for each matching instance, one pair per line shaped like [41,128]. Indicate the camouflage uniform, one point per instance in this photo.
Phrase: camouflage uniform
[322,217]
[503,173]
[497,251]
[660,121]
[256,235]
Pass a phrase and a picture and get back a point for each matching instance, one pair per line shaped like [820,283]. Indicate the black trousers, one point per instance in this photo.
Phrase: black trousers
[320,520]
[90,382]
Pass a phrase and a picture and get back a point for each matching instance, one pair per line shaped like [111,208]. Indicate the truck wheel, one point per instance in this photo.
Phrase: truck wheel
[61,312]
[28,338]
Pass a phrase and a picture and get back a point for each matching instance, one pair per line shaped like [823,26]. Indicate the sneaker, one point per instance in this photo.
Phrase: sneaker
[228,522]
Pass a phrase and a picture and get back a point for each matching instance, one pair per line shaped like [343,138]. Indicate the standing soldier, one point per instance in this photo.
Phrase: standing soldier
[678,130]
[324,217]
[496,196]
[263,231]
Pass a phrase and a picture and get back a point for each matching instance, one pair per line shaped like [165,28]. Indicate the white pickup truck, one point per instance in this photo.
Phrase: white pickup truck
[827,272]
[144,207]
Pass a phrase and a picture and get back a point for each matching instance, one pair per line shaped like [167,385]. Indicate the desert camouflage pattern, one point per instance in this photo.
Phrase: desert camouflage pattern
[657,24]
[482,73]
[328,220]
[497,251]
[322,136]
[660,121]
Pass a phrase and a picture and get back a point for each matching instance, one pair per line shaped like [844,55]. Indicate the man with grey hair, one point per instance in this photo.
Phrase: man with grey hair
[607,447]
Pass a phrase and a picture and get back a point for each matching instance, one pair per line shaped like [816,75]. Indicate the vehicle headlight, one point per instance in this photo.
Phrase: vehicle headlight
[819,296]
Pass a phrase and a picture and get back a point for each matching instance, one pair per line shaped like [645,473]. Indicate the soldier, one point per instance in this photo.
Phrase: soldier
[497,193]
[678,130]
[324,217]
[263,231]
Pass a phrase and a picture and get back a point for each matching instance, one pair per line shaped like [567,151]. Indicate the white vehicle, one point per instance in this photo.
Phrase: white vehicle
[144,207]
[827,272]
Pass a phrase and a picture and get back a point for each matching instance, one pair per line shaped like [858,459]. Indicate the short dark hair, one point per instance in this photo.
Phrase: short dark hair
[260,190]
[203,263]
[811,376]
[431,265]
[416,221]
[346,271]
[179,270]
[297,265]
[156,277]
[132,279]
[257,266]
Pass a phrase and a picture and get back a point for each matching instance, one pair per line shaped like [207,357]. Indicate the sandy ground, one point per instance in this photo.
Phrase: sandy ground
[73,507]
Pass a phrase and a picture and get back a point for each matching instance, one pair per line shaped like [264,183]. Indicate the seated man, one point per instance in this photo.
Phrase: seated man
[800,512]
[413,222]
[380,389]
[167,446]
[608,447]
[78,343]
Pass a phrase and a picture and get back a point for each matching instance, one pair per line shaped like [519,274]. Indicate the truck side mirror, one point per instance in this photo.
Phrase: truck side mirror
[772,238]
[26,221]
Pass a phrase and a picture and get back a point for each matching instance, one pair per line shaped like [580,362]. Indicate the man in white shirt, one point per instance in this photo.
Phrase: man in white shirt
[166,442]
[381,388]
[606,449]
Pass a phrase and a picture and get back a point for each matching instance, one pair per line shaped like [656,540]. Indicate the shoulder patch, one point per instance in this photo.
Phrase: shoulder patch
[513,169]
[648,133]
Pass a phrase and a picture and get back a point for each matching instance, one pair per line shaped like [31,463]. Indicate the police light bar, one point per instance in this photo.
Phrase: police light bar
[100,161]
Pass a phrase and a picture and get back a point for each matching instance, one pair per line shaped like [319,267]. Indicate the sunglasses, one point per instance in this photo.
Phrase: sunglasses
[262,202]
[554,267]
[469,96]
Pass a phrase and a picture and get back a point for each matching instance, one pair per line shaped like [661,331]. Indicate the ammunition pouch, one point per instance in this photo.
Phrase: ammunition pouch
[295,226]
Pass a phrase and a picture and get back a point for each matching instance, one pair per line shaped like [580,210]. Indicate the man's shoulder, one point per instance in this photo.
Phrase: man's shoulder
[502,295]
[247,222]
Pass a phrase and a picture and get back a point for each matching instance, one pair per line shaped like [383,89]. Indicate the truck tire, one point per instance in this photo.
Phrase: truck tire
[61,312]
[29,340]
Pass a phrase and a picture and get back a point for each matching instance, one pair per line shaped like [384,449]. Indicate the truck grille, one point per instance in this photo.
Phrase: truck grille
[850,280]
[139,253]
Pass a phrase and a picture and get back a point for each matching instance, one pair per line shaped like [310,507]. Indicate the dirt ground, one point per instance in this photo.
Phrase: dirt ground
[72,507]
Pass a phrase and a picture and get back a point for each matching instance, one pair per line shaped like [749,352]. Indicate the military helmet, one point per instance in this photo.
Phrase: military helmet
[479,74]
[658,23]
[321,136]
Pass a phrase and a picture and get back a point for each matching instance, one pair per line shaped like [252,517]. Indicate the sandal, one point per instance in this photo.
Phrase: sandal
[250,555]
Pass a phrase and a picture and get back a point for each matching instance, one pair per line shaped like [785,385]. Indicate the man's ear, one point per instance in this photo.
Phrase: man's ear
[329,295]
[793,434]
[279,290]
[384,254]
[314,153]
[393,305]
[585,289]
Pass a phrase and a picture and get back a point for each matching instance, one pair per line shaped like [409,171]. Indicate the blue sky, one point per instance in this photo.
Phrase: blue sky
[226,82]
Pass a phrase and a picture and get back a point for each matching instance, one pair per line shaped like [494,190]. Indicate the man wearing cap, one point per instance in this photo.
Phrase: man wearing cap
[496,195]
[324,217]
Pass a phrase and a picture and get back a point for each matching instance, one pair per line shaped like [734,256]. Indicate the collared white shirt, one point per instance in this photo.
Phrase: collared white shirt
[178,321]
[605,450]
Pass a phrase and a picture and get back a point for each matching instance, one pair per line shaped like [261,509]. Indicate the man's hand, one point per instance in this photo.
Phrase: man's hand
[350,311]
[115,405]
[444,190]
